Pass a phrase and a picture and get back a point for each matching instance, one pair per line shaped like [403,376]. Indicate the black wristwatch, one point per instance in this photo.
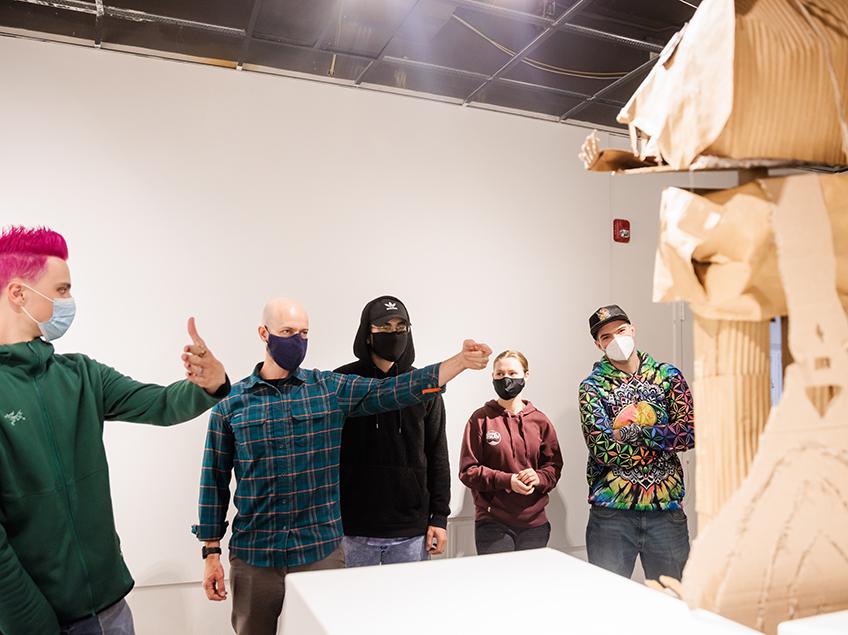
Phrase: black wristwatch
[209,550]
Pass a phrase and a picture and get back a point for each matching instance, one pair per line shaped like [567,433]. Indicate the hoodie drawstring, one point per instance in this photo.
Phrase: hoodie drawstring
[526,460]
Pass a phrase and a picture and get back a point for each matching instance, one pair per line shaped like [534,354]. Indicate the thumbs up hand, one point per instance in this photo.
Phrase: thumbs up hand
[202,367]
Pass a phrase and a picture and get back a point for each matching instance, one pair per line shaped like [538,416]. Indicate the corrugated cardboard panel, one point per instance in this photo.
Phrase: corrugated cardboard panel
[717,251]
[750,79]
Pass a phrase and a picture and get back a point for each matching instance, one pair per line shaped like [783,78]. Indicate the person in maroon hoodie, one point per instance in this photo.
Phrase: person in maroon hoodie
[510,461]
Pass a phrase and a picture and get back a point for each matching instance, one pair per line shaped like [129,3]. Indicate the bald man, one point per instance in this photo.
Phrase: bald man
[280,430]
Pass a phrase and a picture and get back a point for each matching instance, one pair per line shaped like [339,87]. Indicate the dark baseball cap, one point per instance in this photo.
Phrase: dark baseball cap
[386,308]
[605,315]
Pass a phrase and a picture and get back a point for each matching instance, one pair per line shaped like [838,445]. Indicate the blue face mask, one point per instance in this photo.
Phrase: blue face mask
[64,310]
[287,352]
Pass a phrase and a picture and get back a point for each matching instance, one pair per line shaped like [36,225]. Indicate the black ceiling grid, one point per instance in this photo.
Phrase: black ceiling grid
[562,60]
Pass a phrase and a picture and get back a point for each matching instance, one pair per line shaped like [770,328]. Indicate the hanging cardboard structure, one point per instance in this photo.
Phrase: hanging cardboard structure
[717,250]
[778,549]
[748,79]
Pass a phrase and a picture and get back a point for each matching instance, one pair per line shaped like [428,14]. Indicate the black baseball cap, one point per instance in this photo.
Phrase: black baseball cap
[386,308]
[605,315]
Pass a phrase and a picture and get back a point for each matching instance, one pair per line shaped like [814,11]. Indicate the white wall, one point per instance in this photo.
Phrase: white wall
[190,190]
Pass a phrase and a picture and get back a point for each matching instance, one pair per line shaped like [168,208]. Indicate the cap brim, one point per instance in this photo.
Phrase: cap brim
[384,319]
[594,330]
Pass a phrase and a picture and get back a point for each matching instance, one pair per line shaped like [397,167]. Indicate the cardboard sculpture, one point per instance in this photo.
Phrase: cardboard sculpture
[752,85]
[717,250]
[778,549]
[732,398]
[748,79]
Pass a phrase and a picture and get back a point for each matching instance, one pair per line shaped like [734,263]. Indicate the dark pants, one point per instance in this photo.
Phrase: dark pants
[492,536]
[258,592]
[614,537]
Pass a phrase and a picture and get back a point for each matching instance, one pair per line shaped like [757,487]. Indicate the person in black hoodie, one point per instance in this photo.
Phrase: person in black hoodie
[395,476]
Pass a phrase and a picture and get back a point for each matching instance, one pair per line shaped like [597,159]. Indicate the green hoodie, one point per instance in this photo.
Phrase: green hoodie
[60,556]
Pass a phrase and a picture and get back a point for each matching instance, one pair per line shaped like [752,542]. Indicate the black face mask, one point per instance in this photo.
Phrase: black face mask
[508,387]
[389,346]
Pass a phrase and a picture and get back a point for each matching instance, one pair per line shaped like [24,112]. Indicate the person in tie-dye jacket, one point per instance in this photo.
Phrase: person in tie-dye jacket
[636,415]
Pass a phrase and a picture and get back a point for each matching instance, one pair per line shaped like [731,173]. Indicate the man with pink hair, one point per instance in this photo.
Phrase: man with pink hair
[61,569]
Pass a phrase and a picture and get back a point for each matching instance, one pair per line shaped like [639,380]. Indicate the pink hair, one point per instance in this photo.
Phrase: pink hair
[24,252]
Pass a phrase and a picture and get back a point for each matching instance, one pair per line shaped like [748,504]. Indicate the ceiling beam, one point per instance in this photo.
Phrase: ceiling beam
[98,22]
[607,89]
[376,62]
[534,43]
[403,61]
[540,21]
[612,38]
[100,10]
[248,33]
[472,5]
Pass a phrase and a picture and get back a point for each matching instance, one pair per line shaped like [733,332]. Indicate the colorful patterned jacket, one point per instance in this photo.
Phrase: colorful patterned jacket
[653,410]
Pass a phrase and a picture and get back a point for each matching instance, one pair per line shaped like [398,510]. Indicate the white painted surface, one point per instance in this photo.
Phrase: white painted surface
[537,591]
[829,624]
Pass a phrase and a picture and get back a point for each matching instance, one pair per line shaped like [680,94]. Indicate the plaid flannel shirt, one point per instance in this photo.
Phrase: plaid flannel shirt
[283,444]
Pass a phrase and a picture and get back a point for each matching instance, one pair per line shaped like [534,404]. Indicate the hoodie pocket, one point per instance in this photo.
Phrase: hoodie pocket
[389,494]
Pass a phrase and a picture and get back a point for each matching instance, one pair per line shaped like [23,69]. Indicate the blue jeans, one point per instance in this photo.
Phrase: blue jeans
[116,620]
[614,537]
[361,551]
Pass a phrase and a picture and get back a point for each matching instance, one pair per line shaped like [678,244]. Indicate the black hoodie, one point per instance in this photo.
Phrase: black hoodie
[395,476]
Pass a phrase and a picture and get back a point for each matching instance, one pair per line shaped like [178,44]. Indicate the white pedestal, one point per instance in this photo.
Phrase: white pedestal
[829,624]
[539,591]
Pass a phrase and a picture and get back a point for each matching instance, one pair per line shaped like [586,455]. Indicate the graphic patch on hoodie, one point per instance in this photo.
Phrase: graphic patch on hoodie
[493,437]
[652,412]
[14,417]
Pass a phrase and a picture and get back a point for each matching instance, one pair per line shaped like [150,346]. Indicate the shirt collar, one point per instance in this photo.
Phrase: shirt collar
[299,376]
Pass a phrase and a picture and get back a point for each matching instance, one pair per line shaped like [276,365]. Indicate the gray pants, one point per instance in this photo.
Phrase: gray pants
[258,592]
[115,620]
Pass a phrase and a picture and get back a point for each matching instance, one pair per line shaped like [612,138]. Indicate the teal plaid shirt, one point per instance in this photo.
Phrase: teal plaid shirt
[283,444]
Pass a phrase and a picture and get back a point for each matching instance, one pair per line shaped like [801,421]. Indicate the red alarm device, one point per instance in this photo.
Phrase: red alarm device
[621,230]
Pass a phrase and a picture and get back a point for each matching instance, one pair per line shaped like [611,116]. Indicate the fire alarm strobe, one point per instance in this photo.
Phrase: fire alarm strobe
[621,230]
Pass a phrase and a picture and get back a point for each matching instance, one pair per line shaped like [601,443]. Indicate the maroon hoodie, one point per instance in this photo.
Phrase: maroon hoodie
[498,444]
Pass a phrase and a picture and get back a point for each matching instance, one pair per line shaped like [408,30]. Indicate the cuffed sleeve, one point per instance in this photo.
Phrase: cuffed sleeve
[215,475]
